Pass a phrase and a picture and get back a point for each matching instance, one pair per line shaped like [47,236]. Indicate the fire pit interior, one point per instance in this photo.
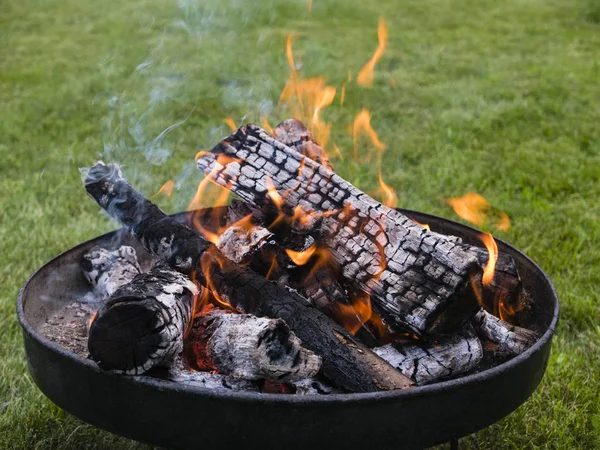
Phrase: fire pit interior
[288,316]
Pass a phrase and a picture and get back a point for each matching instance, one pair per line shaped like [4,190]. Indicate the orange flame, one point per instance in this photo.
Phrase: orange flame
[390,199]
[366,74]
[307,98]
[273,194]
[354,316]
[230,123]
[362,126]
[265,124]
[89,324]
[477,210]
[424,225]
[302,257]
[490,267]
[166,189]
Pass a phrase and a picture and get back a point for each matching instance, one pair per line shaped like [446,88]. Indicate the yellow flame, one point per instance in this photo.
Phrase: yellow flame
[265,124]
[309,5]
[273,194]
[301,258]
[230,123]
[490,267]
[166,189]
[477,210]
[424,225]
[362,126]
[390,199]
[366,74]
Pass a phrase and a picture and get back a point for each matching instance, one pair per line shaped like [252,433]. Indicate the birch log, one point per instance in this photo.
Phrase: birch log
[421,281]
[347,363]
[429,361]
[143,322]
[247,347]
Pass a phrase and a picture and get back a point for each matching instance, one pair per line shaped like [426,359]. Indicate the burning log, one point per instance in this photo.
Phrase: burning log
[107,270]
[426,362]
[293,133]
[346,362]
[509,338]
[247,347]
[421,281]
[143,322]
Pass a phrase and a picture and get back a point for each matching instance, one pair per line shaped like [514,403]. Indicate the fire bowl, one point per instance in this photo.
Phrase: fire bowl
[171,415]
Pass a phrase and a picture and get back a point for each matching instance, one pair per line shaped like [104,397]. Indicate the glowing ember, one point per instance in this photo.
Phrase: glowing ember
[477,210]
[366,74]
[490,267]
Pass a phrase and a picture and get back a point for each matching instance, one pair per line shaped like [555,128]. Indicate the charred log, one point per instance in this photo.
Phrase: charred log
[143,322]
[107,270]
[508,338]
[421,281]
[247,347]
[429,361]
[346,362]
[293,133]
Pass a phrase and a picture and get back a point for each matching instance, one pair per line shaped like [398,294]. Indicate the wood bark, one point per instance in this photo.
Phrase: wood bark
[247,347]
[421,281]
[346,362]
[428,361]
[510,339]
[107,270]
[143,322]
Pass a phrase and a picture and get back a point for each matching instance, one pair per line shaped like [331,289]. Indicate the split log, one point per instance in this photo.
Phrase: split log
[293,133]
[510,339]
[107,270]
[247,347]
[143,322]
[421,281]
[346,362]
[428,361]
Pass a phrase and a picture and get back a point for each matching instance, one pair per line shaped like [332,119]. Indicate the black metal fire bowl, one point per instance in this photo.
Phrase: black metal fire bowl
[171,415]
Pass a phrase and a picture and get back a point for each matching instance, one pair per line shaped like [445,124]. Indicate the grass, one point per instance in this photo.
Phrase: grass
[496,97]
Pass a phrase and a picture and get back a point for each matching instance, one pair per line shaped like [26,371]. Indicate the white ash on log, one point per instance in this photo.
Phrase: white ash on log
[347,363]
[142,323]
[240,243]
[421,281]
[247,347]
[428,361]
[293,133]
[179,373]
[510,339]
[107,270]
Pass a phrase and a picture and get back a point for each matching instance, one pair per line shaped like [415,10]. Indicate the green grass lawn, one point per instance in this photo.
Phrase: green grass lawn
[502,98]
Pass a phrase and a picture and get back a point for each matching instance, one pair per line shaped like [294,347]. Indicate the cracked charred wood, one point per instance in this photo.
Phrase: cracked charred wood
[179,373]
[421,281]
[508,338]
[143,322]
[247,347]
[107,270]
[428,361]
[293,133]
[346,362]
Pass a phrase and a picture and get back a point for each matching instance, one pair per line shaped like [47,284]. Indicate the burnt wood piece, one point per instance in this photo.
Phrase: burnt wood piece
[509,338]
[293,133]
[347,363]
[143,322]
[421,281]
[247,347]
[107,270]
[179,373]
[255,246]
[428,361]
